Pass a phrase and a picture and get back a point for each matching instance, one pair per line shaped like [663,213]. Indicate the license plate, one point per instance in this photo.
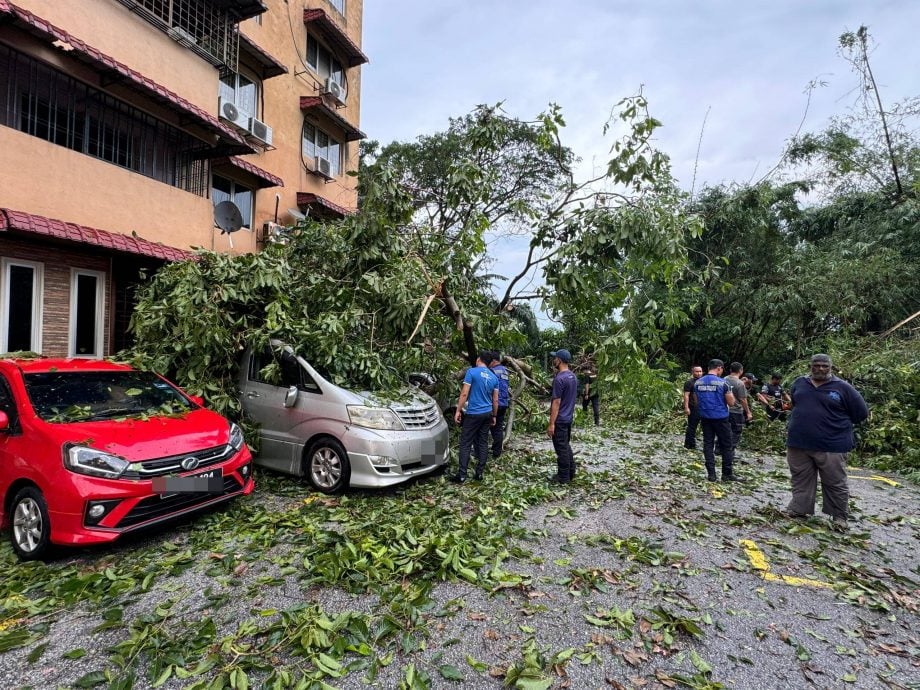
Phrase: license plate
[209,482]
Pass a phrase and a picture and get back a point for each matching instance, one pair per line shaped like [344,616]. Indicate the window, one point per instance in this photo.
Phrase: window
[324,63]
[280,369]
[8,403]
[241,90]
[223,189]
[87,313]
[21,287]
[339,5]
[316,143]
[50,105]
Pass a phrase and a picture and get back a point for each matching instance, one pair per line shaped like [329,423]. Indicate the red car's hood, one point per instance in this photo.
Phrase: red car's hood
[156,437]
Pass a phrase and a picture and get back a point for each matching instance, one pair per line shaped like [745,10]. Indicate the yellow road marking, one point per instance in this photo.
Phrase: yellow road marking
[876,478]
[759,562]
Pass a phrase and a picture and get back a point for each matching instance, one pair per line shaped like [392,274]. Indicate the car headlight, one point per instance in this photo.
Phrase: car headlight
[86,460]
[236,437]
[374,417]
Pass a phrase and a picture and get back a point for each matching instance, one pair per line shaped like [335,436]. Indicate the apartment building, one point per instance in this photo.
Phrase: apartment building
[124,123]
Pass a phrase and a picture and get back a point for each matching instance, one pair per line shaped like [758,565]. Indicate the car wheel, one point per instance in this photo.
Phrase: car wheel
[327,467]
[30,531]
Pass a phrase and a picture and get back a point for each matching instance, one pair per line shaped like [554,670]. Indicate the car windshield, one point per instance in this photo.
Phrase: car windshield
[81,396]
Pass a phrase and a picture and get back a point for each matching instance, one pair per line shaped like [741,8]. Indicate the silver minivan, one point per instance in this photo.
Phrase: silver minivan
[335,437]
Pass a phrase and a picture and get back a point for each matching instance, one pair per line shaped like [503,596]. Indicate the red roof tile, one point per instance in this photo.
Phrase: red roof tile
[335,36]
[326,207]
[264,175]
[104,64]
[271,66]
[71,232]
[319,104]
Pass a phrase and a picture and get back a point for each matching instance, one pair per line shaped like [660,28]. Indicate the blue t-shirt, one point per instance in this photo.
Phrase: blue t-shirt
[482,383]
[504,398]
[710,393]
[565,388]
[823,416]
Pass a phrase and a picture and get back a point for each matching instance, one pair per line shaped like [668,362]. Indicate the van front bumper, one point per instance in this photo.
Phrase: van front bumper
[384,458]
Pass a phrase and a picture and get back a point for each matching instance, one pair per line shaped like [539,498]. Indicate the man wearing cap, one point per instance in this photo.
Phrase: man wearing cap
[504,399]
[561,413]
[480,389]
[819,440]
[714,397]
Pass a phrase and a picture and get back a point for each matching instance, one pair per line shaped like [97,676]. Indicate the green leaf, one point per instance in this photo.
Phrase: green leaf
[36,653]
[77,653]
[450,672]
[90,680]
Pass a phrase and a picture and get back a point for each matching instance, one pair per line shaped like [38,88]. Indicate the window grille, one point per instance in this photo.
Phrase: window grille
[51,105]
[200,25]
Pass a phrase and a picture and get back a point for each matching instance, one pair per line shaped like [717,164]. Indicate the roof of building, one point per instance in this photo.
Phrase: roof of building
[319,104]
[335,37]
[271,66]
[81,234]
[117,71]
[265,178]
[325,207]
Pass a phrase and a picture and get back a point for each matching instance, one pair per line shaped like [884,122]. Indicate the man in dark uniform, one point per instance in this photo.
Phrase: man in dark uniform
[819,441]
[561,413]
[690,407]
[589,394]
[504,400]
[774,398]
[714,397]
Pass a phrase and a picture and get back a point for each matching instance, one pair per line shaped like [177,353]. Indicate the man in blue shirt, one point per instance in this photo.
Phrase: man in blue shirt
[561,413]
[504,400]
[819,440]
[713,398]
[480,389]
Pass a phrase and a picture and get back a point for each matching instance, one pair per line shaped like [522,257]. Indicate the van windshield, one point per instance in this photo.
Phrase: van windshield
[81,396]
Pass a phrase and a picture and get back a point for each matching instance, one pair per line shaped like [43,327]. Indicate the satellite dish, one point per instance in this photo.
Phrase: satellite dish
[296,214]
[227,217]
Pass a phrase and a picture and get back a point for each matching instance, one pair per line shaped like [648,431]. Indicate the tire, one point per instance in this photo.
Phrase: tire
[326,466]
[30,527]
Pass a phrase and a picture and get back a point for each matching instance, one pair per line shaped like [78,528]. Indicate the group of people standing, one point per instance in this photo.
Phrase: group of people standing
[486,396]
[819,437]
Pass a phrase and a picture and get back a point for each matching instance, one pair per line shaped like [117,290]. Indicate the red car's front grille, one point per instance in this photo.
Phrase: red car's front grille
[155,507]
[173,464]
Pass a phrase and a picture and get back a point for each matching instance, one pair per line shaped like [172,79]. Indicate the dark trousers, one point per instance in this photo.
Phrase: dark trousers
[736,422]
[595,405]
[693,422]
[562,435]
[474,434]
[717,429]
[498,431]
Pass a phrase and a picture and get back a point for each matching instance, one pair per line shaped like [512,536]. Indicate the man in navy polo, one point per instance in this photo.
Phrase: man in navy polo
[819,440]
[714,397]
[561,413]
[480,389]
[504,400]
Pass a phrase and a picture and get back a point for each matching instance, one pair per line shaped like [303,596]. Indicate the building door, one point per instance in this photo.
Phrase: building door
[21,287]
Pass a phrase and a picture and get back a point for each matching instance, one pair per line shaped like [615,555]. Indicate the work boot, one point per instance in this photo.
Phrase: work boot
[726,478]
[457,479]
[711,477]
[839,524]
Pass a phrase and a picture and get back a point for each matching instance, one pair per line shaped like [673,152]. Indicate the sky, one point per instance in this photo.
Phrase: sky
[747,63]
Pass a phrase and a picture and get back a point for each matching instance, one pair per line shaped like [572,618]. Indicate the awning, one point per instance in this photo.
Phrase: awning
[265,178]
[271,66]
[228,140]
[80,234]
[242,9]
[321,207]
[318,105]
[337,39]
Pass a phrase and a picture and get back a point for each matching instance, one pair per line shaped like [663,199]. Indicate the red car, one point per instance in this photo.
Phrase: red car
[91,449]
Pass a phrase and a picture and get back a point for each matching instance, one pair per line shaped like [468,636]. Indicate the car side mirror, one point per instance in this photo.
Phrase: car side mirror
[290,398]
[197,399]
[4,421]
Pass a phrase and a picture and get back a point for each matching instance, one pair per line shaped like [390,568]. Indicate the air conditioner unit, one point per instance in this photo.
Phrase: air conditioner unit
[260,131]
[334,89]
[229,111]
[273,233]
[323,166]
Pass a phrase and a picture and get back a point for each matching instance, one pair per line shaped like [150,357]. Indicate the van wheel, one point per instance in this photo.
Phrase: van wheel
[31,528]
[327,467]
